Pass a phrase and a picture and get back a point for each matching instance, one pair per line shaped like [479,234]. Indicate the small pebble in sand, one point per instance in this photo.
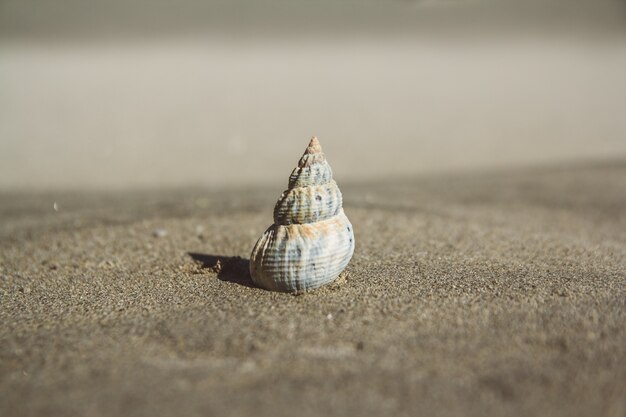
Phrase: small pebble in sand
[159,233]
[55,206]
[217,268]
[200,232]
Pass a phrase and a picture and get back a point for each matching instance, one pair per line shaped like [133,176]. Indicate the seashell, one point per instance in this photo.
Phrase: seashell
[311,240]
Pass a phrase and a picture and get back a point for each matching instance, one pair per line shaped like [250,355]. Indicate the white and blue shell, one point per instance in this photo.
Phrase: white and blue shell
[311,240]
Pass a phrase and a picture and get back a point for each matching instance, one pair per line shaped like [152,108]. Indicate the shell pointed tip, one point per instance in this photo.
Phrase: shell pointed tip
[314,146]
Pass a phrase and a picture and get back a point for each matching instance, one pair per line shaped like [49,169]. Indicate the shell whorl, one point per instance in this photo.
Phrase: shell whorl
[312,195]
[311,240]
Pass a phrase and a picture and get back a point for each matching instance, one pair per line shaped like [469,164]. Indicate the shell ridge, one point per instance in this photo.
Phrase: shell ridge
[308,204]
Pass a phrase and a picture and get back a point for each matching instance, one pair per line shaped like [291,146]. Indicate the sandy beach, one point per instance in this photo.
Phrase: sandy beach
[490,294]
[480,149]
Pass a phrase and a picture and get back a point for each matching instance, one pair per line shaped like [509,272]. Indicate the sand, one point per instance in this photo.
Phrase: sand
[209,112]
[490,294]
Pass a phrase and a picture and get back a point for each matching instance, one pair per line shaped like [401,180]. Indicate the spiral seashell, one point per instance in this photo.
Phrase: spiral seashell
[311,240]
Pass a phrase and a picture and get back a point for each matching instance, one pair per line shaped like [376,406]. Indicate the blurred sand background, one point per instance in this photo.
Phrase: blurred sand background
[481,150]
[147,94]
